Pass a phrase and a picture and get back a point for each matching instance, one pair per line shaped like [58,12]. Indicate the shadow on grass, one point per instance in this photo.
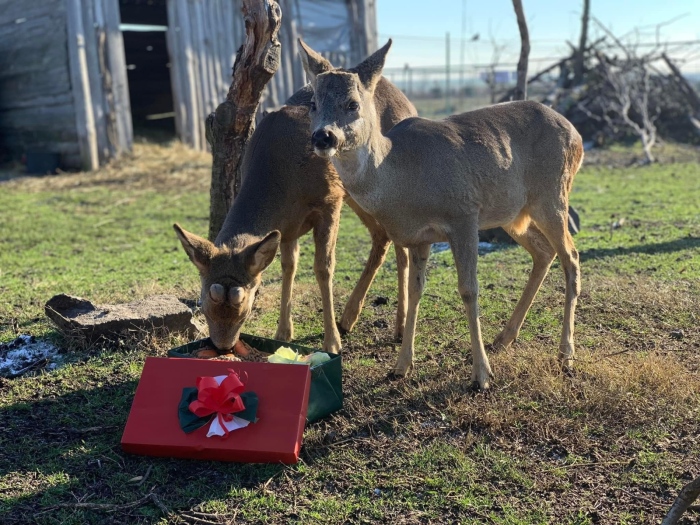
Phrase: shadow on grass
[684,243]
[59,452]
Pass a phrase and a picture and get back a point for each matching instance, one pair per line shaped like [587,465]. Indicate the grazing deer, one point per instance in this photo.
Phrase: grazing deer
[509,165]
[287,191]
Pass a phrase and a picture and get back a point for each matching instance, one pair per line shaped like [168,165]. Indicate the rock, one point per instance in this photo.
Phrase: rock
[74,314]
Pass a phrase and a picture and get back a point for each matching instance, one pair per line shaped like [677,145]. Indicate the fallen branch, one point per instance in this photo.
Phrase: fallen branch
[685,499]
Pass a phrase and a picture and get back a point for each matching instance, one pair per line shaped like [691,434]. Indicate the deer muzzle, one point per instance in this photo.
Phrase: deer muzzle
[324,140]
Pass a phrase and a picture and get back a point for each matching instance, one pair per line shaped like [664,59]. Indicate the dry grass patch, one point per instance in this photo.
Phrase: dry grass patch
[159,167]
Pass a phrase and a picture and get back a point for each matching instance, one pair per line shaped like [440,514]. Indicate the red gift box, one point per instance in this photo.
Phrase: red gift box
[153,427]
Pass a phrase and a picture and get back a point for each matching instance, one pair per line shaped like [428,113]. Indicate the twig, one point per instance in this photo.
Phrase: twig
[35,364]
[616,353]
[145,476]
[195,519]
[110,507]
[156,500]
[593,464]
[642,498]
[90,429]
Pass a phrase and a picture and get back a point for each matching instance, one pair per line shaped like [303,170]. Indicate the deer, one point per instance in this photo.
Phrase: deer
[287,191]
[426,181]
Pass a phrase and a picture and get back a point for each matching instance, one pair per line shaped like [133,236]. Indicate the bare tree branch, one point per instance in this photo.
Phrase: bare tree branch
[521,87]
[581,51]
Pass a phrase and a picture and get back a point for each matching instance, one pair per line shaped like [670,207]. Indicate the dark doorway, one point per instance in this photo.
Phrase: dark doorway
[144,24]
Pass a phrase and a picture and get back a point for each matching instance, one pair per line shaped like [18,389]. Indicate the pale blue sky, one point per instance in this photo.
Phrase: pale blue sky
[551,23]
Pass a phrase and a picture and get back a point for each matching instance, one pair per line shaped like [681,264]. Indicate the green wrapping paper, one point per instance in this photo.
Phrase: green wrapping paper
[326,393]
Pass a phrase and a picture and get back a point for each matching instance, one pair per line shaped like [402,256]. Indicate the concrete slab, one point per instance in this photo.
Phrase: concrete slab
[74,314]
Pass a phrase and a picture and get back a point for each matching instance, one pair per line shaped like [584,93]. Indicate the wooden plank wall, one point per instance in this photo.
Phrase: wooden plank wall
[63,80]
[98,73]
[36,102]
[203,37]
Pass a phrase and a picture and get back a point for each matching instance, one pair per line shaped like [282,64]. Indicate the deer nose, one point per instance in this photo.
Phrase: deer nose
[324,139]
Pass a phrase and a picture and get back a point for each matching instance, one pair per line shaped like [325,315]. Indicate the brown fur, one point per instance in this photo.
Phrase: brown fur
[424,181]
[289,190]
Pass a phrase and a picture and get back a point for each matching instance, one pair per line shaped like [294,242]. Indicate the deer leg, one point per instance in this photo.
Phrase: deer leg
[542,256]
[402,270]
[380,245]
[557,232]
[465,250]
[418,260]
[325,236]
[289,255]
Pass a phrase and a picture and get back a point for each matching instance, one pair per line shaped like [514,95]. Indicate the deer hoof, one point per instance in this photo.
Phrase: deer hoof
[502,341]
[341,329]
[401,370]
[481,378]
[349,319]
[332,347]
[285,334]
[566,358]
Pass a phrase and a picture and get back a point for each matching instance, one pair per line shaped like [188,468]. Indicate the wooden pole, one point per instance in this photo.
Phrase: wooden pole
[521,87]
[80,81]
[229,128]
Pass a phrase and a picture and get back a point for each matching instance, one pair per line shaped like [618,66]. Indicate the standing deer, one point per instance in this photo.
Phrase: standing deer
[287,191]
[424,181]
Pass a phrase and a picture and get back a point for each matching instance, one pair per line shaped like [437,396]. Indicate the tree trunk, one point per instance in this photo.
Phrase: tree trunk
[230,127]
[520,92]
[685,499]
[581,52]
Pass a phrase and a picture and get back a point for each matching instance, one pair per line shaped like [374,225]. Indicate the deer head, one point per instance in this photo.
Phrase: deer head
[342,108]
[230,279]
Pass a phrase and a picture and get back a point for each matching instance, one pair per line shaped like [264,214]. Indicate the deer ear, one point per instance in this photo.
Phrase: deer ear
[370,71]
[314,64]
[264,253]
[199,249]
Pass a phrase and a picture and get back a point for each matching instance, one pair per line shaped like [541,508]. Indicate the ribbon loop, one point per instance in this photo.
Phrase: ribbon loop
[215,398]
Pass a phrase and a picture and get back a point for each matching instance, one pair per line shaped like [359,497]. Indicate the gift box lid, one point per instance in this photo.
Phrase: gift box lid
[153,426]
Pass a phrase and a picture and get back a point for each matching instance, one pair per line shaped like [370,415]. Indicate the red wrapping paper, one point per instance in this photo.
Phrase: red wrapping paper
[153,428]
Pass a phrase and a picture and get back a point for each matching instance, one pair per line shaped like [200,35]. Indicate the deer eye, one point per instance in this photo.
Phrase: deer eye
[353,106]
[313,106]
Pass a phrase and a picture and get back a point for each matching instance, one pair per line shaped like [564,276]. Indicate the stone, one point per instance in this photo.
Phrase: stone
[76,315]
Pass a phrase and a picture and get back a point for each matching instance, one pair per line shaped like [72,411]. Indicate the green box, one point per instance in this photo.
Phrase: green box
[326,393]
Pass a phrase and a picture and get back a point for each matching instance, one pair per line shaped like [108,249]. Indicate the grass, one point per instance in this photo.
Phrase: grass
[612,444]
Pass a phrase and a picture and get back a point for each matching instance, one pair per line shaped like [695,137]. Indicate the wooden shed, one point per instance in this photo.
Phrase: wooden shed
[78,78]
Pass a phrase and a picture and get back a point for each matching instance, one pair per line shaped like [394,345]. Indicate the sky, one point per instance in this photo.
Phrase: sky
[418,27]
